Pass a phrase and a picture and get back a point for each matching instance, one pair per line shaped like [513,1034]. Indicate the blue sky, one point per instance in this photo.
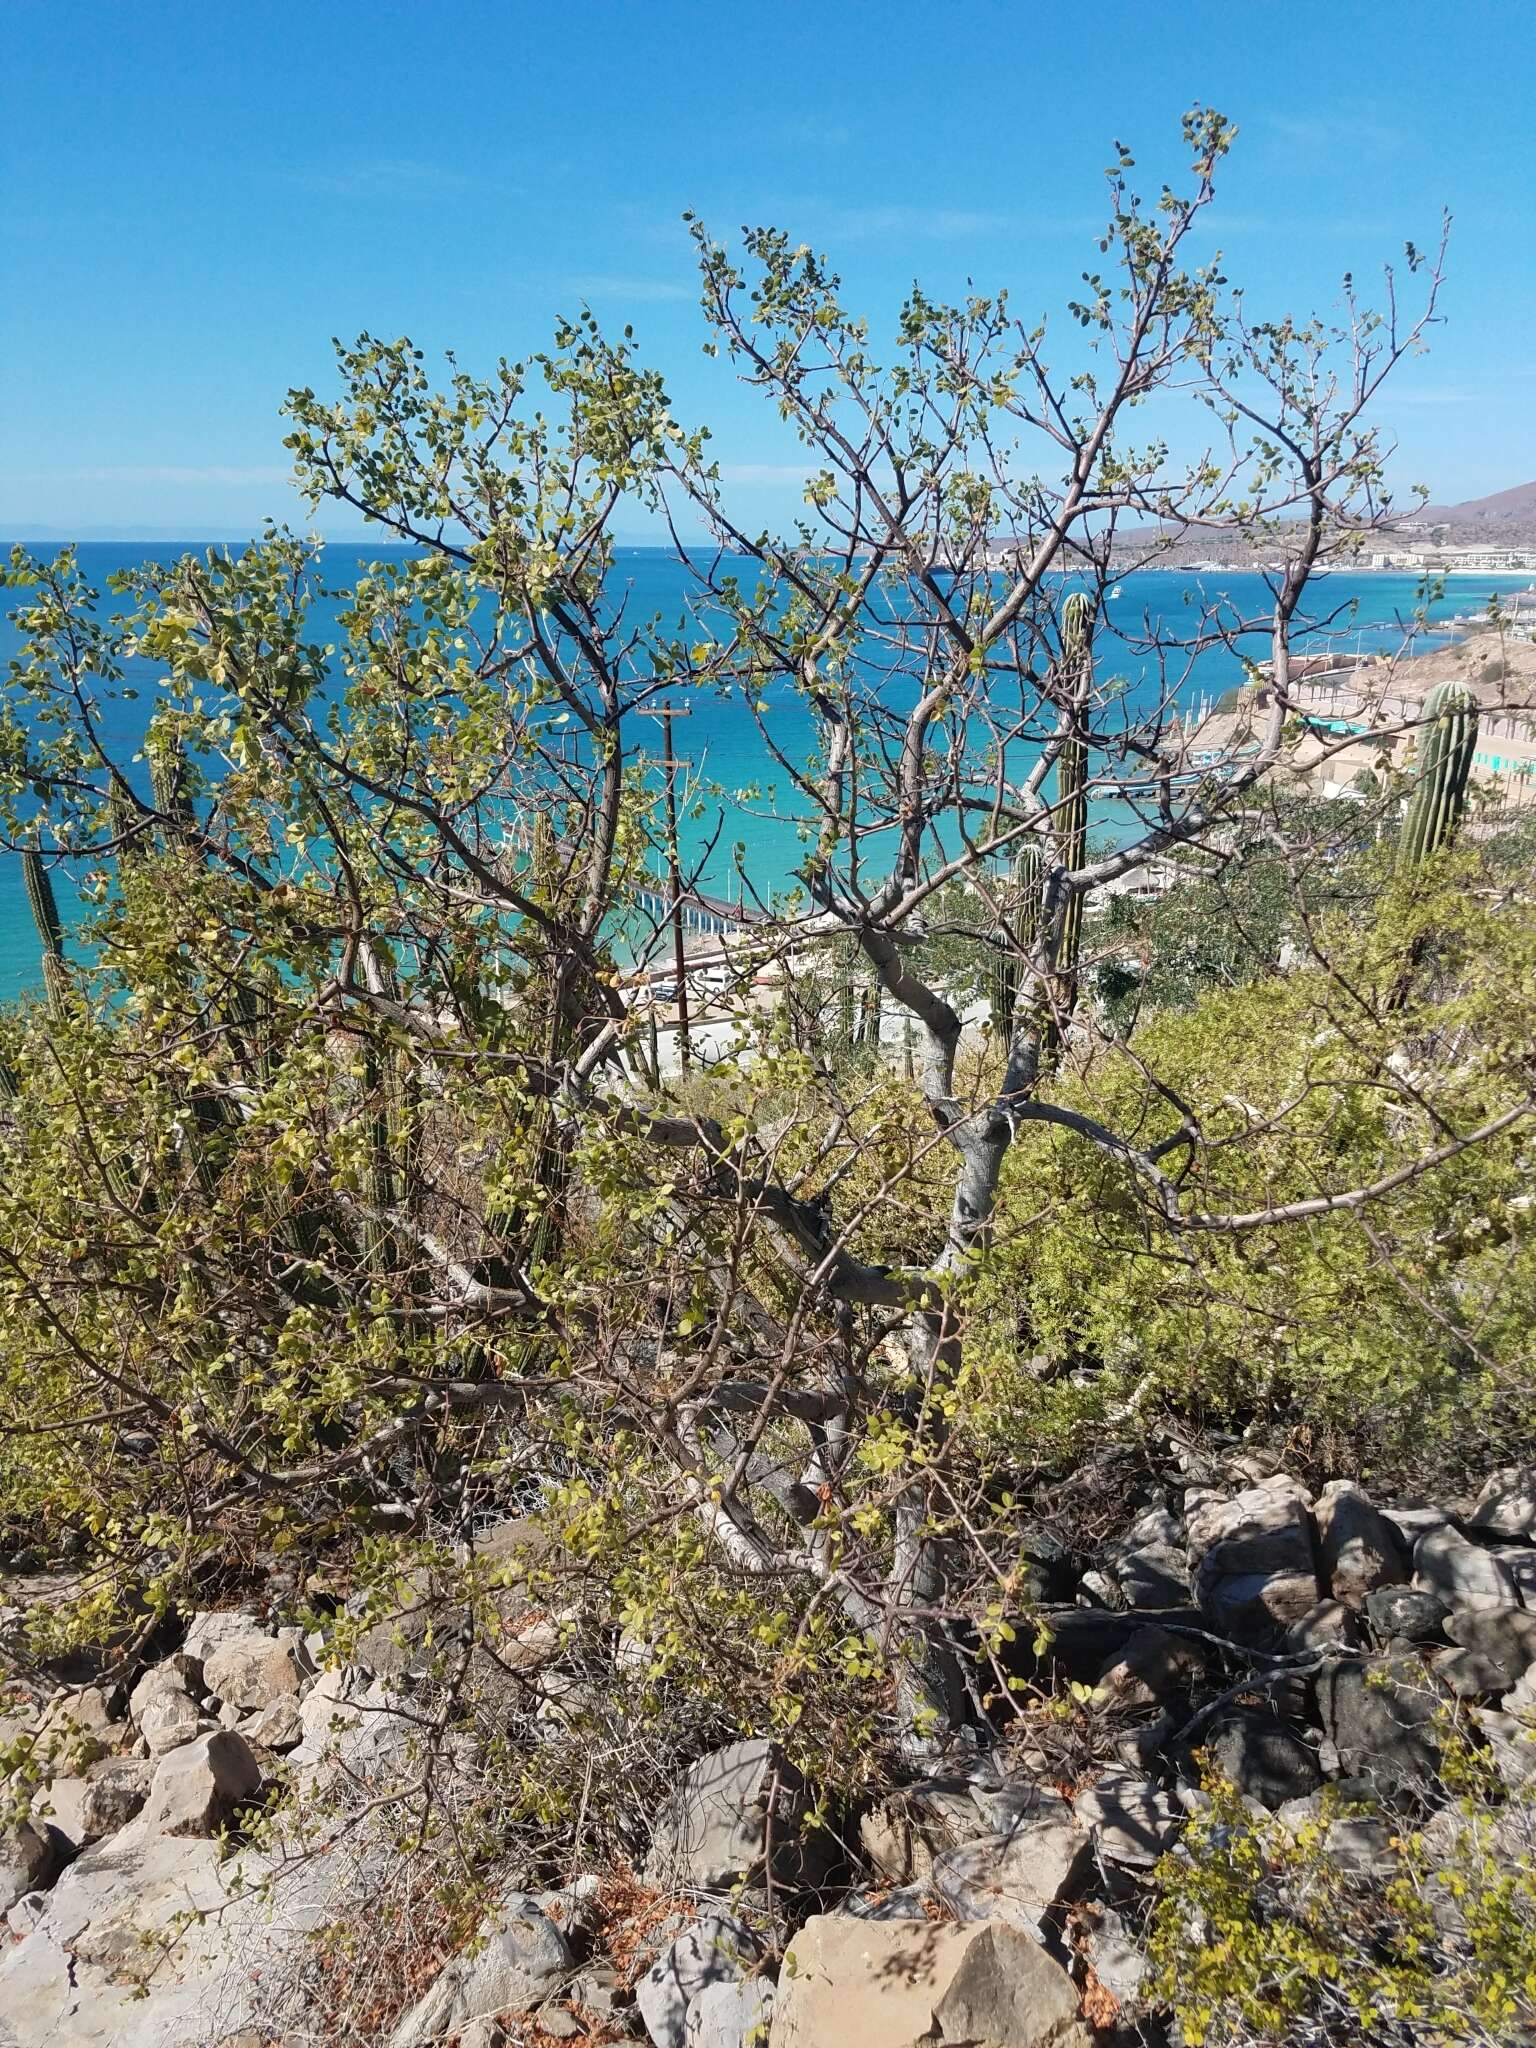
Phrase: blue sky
[194,199]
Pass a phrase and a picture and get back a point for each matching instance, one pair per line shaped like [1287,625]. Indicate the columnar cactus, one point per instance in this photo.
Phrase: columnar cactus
[1439,799]
[50,927]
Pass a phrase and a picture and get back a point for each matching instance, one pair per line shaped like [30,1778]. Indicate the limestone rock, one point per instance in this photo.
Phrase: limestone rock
[1462,1573]
[1378,1712]
[1261,1756]
[1254,1563]
[199,1788]
[902,1834]
[1507,1504]
[209,1631]
[1154,1667]
[1018,1877]
[252,1671]
[31,1856]
[1358,1549]
[169,1720]
[1410,1612]
[115,1789]
[1132,1822]
[1148,1561]
[177,1673]
[521,1962]
[731,2015]
[718,1949]
[737,1806]
[896,1984]
[278,1726]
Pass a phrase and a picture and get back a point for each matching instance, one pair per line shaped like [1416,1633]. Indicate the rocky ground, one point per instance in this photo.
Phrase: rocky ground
[1309,1648]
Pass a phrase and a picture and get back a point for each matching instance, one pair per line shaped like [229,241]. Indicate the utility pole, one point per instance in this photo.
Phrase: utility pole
[666,713]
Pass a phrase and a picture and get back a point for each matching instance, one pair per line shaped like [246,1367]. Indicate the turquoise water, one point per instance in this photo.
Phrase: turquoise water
[720,739]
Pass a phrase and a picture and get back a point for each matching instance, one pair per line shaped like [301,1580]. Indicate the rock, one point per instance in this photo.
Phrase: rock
[1404,1611]
[252,1671]
[731,2015]
[1512,1745]
[1131,1821]
[1259,1755]
[170,1720]
[278,1726]
[1111,1951]
[62,1801]
[1360,1843]
[1148,1561]
[905,1902]
[895,1984]
[736,1807]
[115,1789]
[1519,1560]
[1468,1674]
[81,1725]
[521,1963]
[1255,1574]
[715,1950]
[1262,1529]
[31,1856]
[1460,1572]
[1017,1878]
[198,1789]
[210,1631]
[1412,1523]
[1507,1504]
[27,1913]
[1521,1697]
[1330,1624]
[1081,1641]
[1358,1549]
[902,1834]
[1499,1643]
[178,1674]
[1152,1669]
[1378,1713]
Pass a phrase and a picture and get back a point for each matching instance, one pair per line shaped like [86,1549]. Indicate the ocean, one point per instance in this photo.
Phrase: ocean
[720,740]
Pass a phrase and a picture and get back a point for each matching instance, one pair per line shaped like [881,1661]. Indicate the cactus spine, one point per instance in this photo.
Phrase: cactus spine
[50,928]
[1439,798]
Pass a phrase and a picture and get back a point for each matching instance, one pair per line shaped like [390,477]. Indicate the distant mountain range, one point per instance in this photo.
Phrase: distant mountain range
[1499,509]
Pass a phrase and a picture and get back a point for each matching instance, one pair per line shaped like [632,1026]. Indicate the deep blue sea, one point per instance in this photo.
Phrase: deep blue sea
[721,740]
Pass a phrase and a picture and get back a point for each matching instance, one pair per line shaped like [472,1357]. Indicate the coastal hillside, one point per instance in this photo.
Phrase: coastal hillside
[1514,507]
[772,1297]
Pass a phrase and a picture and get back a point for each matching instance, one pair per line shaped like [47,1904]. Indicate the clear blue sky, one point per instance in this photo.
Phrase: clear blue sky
[195,198]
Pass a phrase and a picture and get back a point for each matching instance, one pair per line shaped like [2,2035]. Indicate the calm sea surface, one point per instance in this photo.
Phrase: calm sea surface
[720,739]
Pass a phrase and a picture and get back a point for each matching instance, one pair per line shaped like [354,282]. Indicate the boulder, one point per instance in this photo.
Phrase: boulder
[1499,1641]
[252,1671]
[1360,1843]
[718,1949]
[1131,1821]
[169,1720]
[737,1810]
[1261,1757]
[1408,1612]
[1507,1504]
[1330,1625]
[895,1984]
[198,1789]
[115,1789]
[902,1834]
[31,1856]
[1378,1713]
[209,1631]
[519,1963]
[1358,1549]
[1254,1563]
[1018,1878]
[1512,1745]
[278,1726]
[1110,1949]
[1462,1573]
[1148,1563]
[178,1674]
[80,1725]
[736,2014]
[1154,1667]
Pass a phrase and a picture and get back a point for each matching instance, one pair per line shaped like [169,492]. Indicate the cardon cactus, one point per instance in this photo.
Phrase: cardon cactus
[1076,626]
[1447,744]
[50,928]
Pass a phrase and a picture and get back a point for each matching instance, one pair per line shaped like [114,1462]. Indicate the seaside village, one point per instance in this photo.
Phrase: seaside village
[1358,717]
